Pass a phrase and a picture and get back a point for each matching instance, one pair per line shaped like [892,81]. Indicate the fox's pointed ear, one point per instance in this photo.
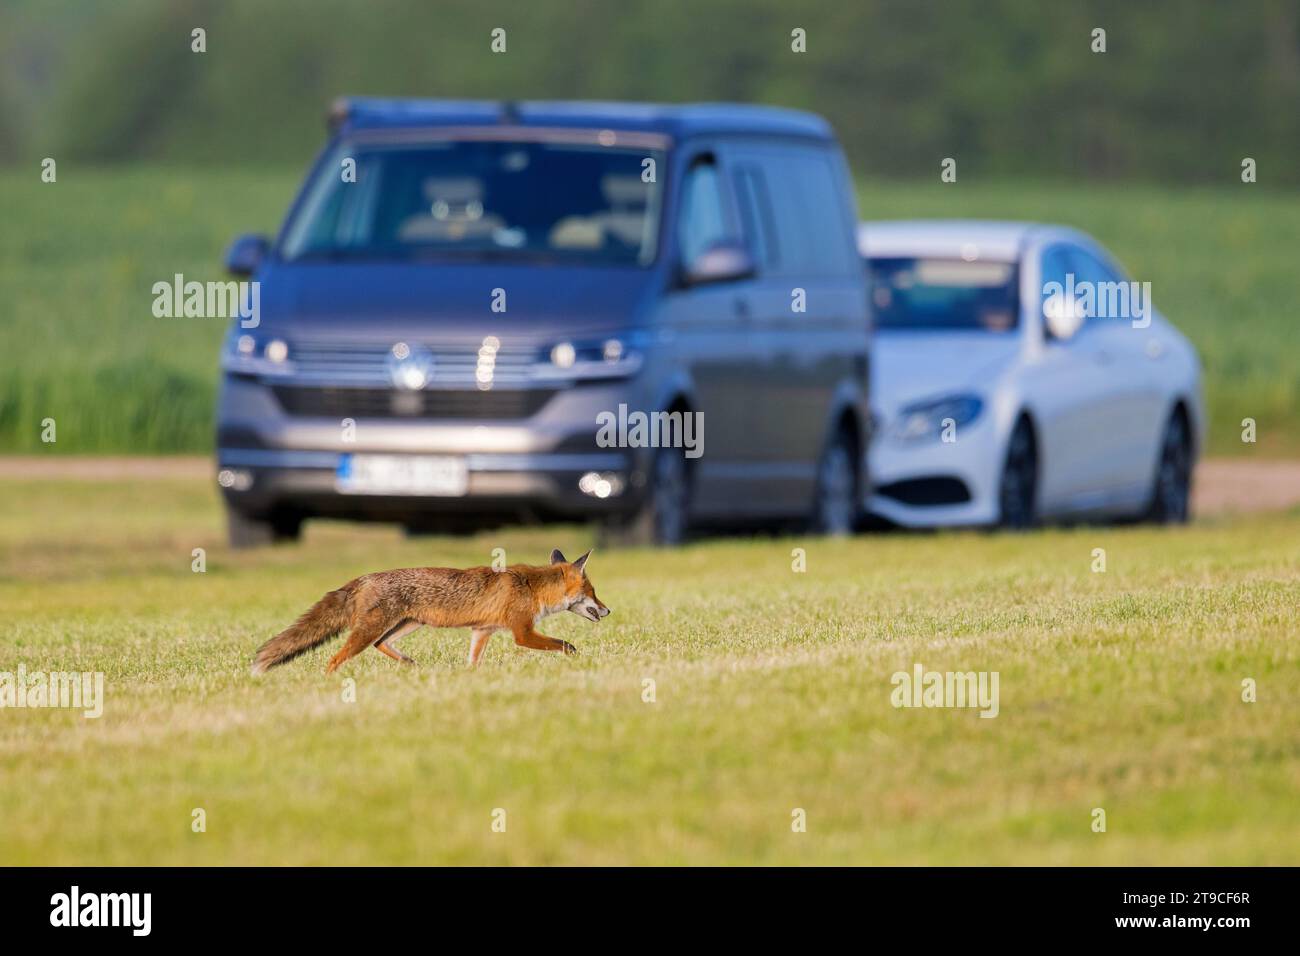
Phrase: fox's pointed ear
[557,556]
[581,563]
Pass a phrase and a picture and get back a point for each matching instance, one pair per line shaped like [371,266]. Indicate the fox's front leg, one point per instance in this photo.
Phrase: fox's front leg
[527,636]
[478,640]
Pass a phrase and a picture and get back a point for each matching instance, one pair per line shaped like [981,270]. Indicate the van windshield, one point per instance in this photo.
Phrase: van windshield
[480,199]
[909,293]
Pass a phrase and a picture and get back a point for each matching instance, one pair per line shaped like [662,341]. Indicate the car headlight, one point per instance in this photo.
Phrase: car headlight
[604,358]
[928,419]
[253,354]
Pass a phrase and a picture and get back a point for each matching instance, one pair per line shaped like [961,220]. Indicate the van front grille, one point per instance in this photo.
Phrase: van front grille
[391,403]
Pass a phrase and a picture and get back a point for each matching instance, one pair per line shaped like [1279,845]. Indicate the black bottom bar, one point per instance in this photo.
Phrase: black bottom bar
[335,906]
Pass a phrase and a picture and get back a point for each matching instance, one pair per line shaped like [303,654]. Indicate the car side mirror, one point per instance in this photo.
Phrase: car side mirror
[246,253]
[725,261]
[1063,316]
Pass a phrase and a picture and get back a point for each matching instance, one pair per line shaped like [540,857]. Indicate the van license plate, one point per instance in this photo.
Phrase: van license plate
[444,476]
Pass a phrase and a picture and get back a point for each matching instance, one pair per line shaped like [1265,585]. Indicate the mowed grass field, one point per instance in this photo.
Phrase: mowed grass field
[1119,690]
[79,257]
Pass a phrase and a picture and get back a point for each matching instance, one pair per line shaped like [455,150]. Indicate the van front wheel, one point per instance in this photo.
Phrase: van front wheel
[664,517]
[246,531]
[836,506]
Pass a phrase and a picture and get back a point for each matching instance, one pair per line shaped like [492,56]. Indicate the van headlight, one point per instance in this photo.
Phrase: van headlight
[564,355]
[252,354]
[604,358]
[928,419]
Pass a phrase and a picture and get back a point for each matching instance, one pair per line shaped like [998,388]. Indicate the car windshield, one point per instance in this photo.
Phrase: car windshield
[485,199]
[910,293]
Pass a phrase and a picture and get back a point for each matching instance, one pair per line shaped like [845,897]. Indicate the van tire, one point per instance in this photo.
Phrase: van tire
[837,502]
[246,531]
[663,520]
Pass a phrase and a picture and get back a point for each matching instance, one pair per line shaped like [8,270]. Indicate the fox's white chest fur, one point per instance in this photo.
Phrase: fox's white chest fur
[548,610]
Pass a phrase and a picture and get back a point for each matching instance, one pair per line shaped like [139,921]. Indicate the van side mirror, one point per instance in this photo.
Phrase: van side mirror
[725,261]
[246,254]
[1063,316]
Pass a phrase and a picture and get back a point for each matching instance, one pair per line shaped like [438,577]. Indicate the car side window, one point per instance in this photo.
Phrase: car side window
[1107,289]
[1056,275]
[702,222]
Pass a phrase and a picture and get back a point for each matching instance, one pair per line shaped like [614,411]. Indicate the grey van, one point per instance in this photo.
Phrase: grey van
[480,312]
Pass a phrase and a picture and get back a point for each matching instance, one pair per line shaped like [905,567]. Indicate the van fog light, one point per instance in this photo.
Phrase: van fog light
[608,484]
[236,479]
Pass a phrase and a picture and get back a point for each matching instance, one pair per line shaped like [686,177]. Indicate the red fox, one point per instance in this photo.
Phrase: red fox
[379,608]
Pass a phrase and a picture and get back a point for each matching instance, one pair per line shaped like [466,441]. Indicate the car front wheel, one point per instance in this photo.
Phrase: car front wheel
[1172,491]
[1017,488]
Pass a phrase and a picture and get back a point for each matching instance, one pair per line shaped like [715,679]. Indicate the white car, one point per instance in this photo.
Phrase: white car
[1020,376]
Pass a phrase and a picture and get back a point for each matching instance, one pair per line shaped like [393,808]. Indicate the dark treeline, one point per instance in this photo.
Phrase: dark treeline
[1183,91]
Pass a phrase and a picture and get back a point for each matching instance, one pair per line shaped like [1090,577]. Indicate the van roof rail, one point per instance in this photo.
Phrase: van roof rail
[678,120]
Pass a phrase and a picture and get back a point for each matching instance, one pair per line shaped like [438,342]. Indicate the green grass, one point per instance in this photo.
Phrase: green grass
[1119,690]
[78,259]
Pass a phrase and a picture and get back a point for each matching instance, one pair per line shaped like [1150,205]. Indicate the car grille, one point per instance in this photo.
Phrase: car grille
[393,403]
[933,491]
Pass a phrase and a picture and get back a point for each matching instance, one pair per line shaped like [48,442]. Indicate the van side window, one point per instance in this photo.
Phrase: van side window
[809,210]
[756,215]
[702,223]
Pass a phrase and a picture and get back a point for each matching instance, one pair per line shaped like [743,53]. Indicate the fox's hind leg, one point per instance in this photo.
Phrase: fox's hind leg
[369,630]
[401,630]
[478,641]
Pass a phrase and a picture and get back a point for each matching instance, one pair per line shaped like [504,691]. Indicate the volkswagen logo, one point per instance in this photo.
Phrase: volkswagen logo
[410,367]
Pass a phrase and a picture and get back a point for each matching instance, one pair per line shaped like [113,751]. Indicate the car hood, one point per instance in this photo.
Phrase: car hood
[448,302]
[908,367]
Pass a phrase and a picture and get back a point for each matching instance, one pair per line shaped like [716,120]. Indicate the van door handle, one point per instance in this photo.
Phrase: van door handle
[742,309]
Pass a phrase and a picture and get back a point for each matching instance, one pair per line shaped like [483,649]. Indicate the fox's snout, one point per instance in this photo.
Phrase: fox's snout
[592,610]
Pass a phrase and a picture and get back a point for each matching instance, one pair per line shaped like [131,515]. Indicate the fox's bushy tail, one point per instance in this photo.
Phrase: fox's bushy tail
[323,620]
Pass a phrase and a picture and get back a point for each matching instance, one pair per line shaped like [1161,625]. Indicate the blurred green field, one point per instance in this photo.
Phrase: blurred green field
[80,344]
[1119,690]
